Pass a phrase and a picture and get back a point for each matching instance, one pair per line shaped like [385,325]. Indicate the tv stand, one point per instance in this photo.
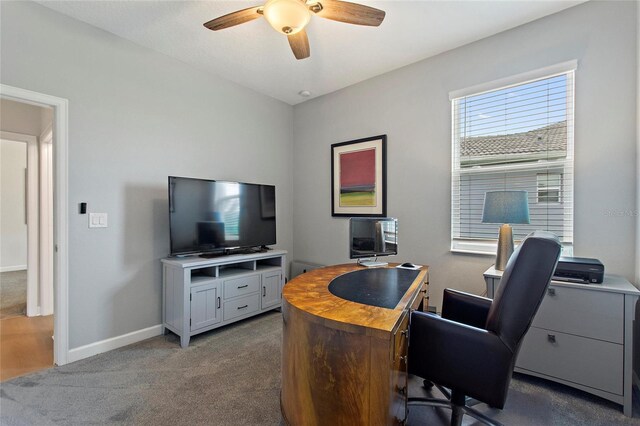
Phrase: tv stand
[200,294]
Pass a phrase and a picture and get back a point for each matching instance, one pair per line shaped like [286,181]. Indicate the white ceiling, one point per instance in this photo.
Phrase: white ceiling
[256,56]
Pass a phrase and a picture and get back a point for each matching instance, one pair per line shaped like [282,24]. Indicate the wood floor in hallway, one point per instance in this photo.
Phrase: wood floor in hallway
[25,345]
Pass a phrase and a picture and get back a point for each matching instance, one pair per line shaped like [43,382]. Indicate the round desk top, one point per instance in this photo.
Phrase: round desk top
[310,294]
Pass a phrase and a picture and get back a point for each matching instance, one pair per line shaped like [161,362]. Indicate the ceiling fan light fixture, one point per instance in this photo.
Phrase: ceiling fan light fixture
[286,16]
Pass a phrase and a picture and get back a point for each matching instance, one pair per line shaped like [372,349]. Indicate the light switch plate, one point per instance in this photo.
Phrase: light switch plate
[97,220]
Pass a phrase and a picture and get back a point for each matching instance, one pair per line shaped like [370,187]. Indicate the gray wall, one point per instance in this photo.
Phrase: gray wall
[137,116]
[411,106]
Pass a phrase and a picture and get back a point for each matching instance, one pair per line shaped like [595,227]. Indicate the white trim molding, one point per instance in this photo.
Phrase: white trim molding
[521,78]
[112,343]
[61,219]
[45,281]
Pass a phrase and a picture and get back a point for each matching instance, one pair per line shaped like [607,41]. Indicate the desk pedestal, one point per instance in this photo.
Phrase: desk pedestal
[343,363]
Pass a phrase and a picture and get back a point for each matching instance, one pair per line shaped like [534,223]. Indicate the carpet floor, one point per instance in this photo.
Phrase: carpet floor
[231,376]
[13,294]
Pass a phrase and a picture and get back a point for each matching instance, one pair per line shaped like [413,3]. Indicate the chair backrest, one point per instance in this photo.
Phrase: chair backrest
[522,287]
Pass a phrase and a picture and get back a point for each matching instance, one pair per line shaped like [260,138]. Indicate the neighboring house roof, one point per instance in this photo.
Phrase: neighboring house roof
[551,138]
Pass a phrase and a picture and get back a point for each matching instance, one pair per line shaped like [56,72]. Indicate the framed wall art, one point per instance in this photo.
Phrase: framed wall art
[359,177]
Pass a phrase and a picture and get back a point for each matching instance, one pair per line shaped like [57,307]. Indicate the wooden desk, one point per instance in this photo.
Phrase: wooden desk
[344,363]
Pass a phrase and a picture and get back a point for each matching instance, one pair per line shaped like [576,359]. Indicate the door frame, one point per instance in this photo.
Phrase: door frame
[60,210]
[31,195]
[45,209]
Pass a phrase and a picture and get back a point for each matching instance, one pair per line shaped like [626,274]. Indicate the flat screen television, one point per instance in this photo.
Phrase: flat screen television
[372,237]
[210,216]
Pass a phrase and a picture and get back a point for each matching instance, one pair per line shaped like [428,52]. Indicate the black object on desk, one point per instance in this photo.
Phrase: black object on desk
[580,270]
[382,287]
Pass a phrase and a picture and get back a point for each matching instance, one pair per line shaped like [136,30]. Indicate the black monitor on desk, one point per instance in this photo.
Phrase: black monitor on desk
[373,236]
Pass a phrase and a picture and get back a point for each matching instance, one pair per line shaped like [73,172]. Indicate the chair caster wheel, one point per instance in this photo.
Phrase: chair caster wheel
[427,384]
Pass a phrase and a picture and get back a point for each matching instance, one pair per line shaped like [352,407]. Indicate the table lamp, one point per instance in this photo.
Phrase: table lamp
[505,207]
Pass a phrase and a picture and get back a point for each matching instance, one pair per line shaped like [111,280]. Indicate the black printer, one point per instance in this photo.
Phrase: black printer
[580,270]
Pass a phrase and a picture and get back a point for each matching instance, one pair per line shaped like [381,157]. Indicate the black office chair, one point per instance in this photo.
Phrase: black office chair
[471,350]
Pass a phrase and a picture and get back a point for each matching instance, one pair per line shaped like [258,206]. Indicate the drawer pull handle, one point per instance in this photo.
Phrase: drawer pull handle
[243,286]
[218,302]
[551,338]
[551,291]
[405,333]
[402,390]
[264,291]
[403,359]
[242,307]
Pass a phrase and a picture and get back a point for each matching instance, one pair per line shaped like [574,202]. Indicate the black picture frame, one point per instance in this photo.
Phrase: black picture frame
[358,182]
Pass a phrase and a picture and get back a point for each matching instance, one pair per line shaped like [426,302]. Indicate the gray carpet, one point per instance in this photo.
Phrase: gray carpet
[13,294]
[231,376]
[531,402]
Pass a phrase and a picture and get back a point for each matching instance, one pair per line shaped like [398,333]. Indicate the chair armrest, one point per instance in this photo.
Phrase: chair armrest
[465,308]
[469,359]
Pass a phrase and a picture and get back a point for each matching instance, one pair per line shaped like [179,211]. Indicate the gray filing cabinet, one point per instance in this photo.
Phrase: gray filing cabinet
[582,336]
[202,294]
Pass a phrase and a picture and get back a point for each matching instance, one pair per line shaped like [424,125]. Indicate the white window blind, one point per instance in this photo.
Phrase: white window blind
[518,137]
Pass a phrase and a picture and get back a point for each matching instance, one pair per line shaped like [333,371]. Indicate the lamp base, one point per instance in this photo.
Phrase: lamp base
[505,247]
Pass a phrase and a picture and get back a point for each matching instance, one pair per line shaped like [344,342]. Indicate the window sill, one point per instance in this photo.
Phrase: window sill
[488,249]
[469,251]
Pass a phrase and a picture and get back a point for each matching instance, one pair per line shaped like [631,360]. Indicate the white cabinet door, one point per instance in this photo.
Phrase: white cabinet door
[271,284]
[205,305]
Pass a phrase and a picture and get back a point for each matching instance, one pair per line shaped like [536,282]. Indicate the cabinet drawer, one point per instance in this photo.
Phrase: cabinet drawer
[595,314]
[588,362]
[241,306]
[241,286]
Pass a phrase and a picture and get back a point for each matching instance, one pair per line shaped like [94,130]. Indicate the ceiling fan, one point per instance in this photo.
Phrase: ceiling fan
[289,17]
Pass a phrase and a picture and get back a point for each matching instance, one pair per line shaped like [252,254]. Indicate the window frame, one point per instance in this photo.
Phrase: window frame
[488,247]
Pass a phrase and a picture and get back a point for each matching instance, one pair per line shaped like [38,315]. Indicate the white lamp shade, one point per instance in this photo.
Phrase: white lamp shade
[287,16]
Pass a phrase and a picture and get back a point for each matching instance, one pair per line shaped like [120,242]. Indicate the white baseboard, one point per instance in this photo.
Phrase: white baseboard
[106,345]
[13,268]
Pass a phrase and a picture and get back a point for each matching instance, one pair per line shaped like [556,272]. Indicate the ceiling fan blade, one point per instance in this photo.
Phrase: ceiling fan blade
[299,43]
[234,18]
[351,13]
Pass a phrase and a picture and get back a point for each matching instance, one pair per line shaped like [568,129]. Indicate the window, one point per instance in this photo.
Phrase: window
[514,135]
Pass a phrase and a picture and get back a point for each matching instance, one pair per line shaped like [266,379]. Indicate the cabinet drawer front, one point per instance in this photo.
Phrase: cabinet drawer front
[588,313]
[589,362]
[241,286]
[241,306]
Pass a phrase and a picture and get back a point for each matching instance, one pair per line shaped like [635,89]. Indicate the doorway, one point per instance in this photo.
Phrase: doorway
[26,243]
[13,229]
[60,186]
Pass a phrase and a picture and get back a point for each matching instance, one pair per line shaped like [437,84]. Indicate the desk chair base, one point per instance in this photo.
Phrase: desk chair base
[457,403]
[468,401]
